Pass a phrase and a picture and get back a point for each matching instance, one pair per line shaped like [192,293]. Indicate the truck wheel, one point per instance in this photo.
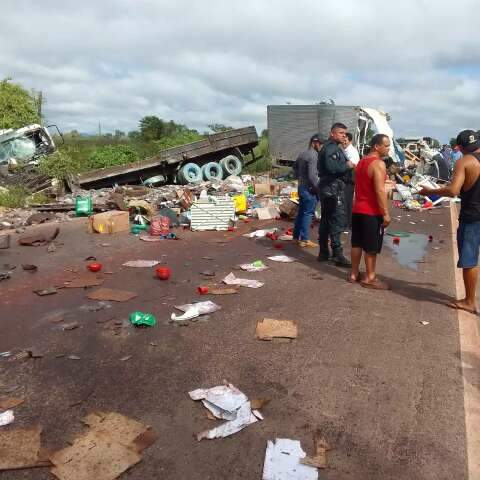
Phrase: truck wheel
[190,173]
[231,165]
[212,171]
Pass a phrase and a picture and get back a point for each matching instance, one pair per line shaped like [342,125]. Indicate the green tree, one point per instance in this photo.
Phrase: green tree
[218,127]
[18,107]
[151,128]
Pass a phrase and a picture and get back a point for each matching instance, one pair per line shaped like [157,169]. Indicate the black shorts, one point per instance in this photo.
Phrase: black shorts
[367,232]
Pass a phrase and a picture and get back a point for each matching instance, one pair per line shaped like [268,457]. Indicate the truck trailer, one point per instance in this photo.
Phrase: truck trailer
[212,158]
[291,126]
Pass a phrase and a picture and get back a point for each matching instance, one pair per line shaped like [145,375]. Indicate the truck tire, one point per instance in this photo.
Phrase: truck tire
[231,165]
[190,173]
[212,171]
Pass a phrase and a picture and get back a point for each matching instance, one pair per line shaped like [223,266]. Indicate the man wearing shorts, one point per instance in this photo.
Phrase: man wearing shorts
[466,183]
[370,213]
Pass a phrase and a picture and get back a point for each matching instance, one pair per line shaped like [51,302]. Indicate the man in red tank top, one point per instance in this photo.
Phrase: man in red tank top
[370,212]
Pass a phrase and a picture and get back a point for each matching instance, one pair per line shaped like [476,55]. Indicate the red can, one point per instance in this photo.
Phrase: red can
[163,273]
[430,238]
[94,267]
[278,246]
[202,290]
[396,240]
[231,229]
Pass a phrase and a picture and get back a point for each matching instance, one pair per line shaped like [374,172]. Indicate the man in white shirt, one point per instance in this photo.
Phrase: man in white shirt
[352,154]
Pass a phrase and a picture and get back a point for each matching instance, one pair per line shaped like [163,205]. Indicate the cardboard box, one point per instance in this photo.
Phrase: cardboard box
[264,189]
[114,221]
[289,208]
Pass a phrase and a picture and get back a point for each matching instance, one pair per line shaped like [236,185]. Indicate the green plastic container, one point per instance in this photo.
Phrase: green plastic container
[139,228]
[83,206]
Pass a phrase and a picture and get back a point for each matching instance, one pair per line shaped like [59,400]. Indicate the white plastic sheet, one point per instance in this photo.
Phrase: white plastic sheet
[6,418]
[231,279]
[282,461]
[260,233]
[141,263]
[282,259]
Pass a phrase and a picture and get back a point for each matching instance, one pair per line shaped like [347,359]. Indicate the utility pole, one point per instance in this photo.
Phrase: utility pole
[99,129]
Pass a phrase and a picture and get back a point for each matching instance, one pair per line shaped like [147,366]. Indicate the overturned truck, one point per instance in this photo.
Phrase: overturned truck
[213,158]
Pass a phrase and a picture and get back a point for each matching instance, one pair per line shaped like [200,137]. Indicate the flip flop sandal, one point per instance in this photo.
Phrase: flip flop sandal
[376,285]
[455,306]
[359,279]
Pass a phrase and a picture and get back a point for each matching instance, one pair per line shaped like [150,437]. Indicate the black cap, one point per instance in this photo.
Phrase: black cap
[468,140]
[315,138]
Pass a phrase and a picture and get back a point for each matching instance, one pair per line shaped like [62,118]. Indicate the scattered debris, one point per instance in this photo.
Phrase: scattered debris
[74,357]
[84,281]
[110,446]
[6,418]
[228,403]
[39,236]
[140,319]
[194,310]
[4,276]
[94,267]
[423,322]
[4,242]
[30,268]
[260,233]
[110,294]
[7,403]
[51,248]
[256,266]
[282,259]
[96,307]
[218,290]
[21,448]
[46,291]
[208,273]
[141,263]
[70,326]
[230,279]
[269,328]
[127,357]
[319,460]
[283,461]
[114,221]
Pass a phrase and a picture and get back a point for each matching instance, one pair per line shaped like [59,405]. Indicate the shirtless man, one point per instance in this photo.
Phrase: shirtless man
[466,183]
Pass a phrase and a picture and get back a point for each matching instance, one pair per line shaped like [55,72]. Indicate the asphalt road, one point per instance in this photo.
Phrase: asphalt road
[385,390]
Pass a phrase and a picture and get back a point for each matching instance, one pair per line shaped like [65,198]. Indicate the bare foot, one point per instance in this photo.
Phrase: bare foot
[375,284]
[463,305]
[356,278]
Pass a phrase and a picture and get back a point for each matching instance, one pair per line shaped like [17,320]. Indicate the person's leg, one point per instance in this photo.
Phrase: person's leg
[300,214]
[323,228]
[470,281]
[356,243]
[370,264]
[356,256]
[308,211]
[336,227]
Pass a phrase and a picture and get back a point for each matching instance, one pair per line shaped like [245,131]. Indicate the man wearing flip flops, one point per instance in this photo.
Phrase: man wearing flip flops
[466,183]
[370,213]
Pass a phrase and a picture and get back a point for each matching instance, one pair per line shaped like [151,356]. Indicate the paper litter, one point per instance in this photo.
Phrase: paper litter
[282,461]
[227,403]
[6,418]
[193,310]
[141,263]
[260,233]
[282,259]
[257,266]
[231,279]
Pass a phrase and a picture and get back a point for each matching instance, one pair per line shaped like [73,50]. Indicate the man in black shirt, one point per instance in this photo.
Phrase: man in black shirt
[333,168]
[466,183]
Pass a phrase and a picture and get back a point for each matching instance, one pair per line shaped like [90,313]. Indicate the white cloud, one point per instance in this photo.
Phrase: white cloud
[198,62]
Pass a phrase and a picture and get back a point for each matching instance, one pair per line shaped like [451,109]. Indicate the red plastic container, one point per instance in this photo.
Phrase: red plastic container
[231,229]
[430,238]
[278,246]
[94,267]
[163,273]
[396,240]
[202,290]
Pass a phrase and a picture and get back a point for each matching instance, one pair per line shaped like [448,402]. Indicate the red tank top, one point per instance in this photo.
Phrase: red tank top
[365,196]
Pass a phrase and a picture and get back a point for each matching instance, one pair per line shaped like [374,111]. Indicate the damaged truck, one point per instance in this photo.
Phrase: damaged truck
[212,158]
[291,126]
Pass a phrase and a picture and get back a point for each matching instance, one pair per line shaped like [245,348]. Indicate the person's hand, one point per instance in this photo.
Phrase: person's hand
[386,220]
[425,191]
[350,164]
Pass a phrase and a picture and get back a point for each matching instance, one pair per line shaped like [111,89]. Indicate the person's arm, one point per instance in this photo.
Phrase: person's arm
[313,173]
[454,187]
[334,163]
[379,173]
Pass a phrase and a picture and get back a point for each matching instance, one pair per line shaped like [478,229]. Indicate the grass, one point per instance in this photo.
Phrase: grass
[13,197]
[264,164]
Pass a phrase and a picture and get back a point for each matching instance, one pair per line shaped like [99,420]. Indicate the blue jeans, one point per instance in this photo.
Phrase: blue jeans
[306,209]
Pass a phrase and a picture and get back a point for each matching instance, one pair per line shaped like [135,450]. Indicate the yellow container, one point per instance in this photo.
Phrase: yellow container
[294,195]
[240,203]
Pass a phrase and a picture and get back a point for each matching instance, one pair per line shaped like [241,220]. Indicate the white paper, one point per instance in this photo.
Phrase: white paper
[281,258]
[190,313]
[260,233]
[231,279]
[282,461]
[141,263]
[6,418]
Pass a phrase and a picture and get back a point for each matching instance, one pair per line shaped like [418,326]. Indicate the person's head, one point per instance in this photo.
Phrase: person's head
[348,139]
[468,141]
[316,143]
[380,144]
[338,132]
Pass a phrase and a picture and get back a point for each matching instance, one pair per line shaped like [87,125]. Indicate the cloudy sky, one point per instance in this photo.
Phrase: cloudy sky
[114,61]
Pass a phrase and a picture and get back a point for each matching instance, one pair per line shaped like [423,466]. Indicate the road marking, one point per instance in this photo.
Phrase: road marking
[470,349]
